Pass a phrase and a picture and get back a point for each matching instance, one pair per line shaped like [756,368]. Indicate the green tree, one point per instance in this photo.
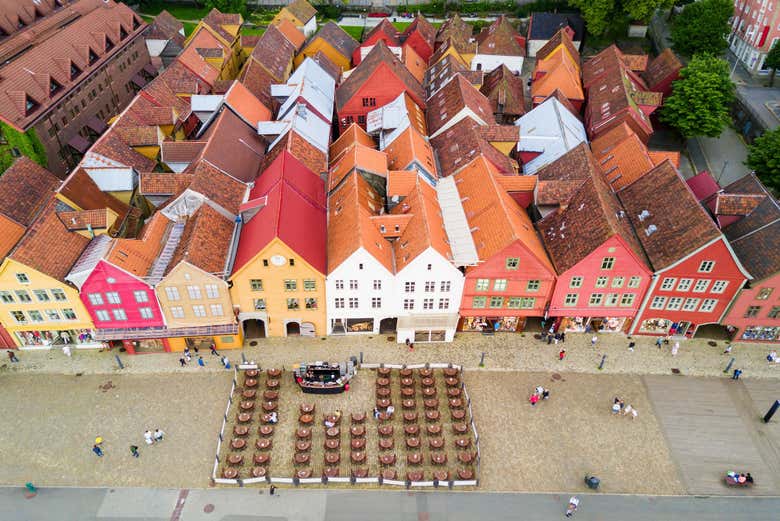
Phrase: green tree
[773,61]
[227,6]
[701,98]
[702,27]
[764,158]
[598,14]
[642,10]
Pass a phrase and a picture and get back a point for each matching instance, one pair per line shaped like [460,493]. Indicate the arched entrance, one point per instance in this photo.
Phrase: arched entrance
[254,328]
[387,326]
[293,329]
[712,331]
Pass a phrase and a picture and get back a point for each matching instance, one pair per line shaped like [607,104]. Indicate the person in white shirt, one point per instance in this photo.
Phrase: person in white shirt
[148,437]
[158,435]
[573,504]
[390,411]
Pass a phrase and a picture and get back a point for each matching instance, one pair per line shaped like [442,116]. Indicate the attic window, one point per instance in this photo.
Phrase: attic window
[20,24]
[136,23]
[30,105]
[122,33]
[93,57]
[54,87]
[74,70]
[109,44]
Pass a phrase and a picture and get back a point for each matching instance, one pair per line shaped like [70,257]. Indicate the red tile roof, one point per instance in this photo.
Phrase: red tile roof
[454,27]
[424,230]
[25,187]
[441,72]
[384,29]
[258,81]
[274,53]
[181,151]
[460,144]
[562,37]
[665,65]
[737,204]
[84,219]
[246,105]
[205,242]
[166,183]
[82,191]
[424,28]
[301,9]
[294,211]
[499,38]
[166,27]
[234,147]
[216,19]
[291,32]
[333,70]
[505,91]
[217,185]
[111,146]
[458,95]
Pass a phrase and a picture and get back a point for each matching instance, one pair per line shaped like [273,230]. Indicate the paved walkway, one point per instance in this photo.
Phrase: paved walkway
[315,505]
[724,156]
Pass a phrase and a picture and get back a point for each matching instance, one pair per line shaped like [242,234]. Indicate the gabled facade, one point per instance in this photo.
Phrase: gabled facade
[385,32]
[662,71]
[499,44]
[505,91]
[420,35]
[301,13]
[455,101]
[334,43]
[558,68]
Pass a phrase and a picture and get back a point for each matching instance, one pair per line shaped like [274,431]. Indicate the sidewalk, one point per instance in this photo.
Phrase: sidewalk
[504,351]
[724,156]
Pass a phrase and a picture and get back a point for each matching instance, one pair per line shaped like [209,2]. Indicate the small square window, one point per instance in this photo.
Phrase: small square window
[482,285]
[601,282]
[706,266]
[752,311]
[571,299]
[668,283]
[290,285]
[634,282]
[596,299]
[575,282]
[499,285]
[256,284]
[763,293]
[512,263]
[607,263]
[617,282]
[496,302]
[309,285]
[479,302]
[533,285]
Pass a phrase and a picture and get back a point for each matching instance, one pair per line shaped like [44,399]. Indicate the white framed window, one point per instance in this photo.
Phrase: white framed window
[69,314]
[408,303]
[23,296]
[691,304]
[479,302]
[119,314]
[612,299]
[601,282]
[658,303]
[512,263]
[668,283]
[6,297]
[290,285]
[684,284]
[527,302]
[708,304]
[533,286]
[102,315]
[22,278]
[259,304]
[499,285]
[353,303]
[339,302]
[634,281]
[617,282]
[706,266]
[146,312]
[575,282]
[674,303]
[309,285]
[701,285]
[627,299]
[212,291]
[353,284]
[257,284]
[141,296]
[35,315]
[427,303]
[194,292]
[444,303]
[199,310]
[96,299]
[445,286]
[482,285]
[377,285]
[764,293]
[172,293]
[496,302]
[571,299]
[113,297]
[719,286]
[595,299]
[376,302]
[177,312]
[409,287]
[41,295]
[607,263]
[216,310]
[430,286]
[339,284]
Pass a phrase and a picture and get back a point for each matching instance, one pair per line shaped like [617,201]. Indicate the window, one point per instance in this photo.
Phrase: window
[633,282]
[428,303]
[35,316]
[607,263]
[259,304]
[708,304]
[172,293]
[113,297]
[496,302]
[674,303]
[706,266]
[310,303]
[482,285]
[601,282]
[595,299]
[408,303]
[479,302]
[292,303]
[309,285]
[409,287]
[361,120]
[119,314]
[377,285]
[774,312]
[146,312]
[265,263]
[19,317]
[444,303]
[256,284]
[527,302]
[177,312]
[102,315]
[290,285]
[752,311]
[764,293]
[376,302]
[513,302]
[684,284]
[54,87]
[691,304]
[212,291]
[96,299]
[339,303]
[571,299]
[668,283]
[194,292]
[353,284]
[512,263]
[701,285]
[339,284]
[533,285]
[41,295]
[141,296]
[360,266]
[23,296]
[617,282]
[612,299]
[354,303]
[499,285]
[69,314]
[369,102]
[22,278]
[627,299]
[430,286]
[719,286]
[575,282]
[658,303]
[6,297]
[445,286]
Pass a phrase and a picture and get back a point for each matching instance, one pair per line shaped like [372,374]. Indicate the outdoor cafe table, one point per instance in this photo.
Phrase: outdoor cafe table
[383,371]
[272,384]
[453,392]
[387,459]
[358,417]
[432,415]
[383,392]
[406,382]
[436,443]
[360,472]
[271,395]
[414,458]
[429,392]
[425,372]
[357,430]
[389,474]
[303,445]
[441,475]
[240,430]
[307,408]
[333,432]
[412,430]
[460,428]
[463,442]
[407,392]
[333,418]
[332,458]
[438,458]
[238,443]
[385,430]
[273,373]
[303,433]
[262,458]
[405,372]
[458,414]
[250,382]
[382,381]
[358,443]
[303,473]
[230,473]
[450,371]
[301,458]
[410,416]
[415,475]
[235,459]
[434,429]
[251,373]
[431,403]
[263,443]
[331,472]
[409,404]
[386,443]
[412,443]
[455,403]
[332,443]
[306,419]
[465,474]
[244,417]
[247,405]
[383,403]
[427,381]
[465,457]
[357,456]
[258,472]
[451,381]
[248,393]
[269,406]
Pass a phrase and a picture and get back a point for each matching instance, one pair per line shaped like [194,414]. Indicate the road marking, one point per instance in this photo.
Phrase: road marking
[176,515]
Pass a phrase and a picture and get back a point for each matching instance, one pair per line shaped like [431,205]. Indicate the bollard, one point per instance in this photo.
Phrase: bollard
[772,411]
[118,361]
[243,358]
[361,358]
[603,359]
[482,360]
[728,367]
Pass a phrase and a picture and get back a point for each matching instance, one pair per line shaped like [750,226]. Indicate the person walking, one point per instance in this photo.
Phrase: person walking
[97,450]
[134,451]
[593,341]
[573,504]
[658,342]
[728,350]
[534,399]
[563,337]
[66,350]
[201,362]
[12,356]
[675,348]
[182,361]
[561,354]
[272,490]
[213,348]
[99,441]
[737,374]
[158,435]
[149,437]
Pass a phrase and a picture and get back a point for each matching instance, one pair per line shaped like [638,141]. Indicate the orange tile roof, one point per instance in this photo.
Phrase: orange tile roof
[291,32]
[659,156]
[408,147]
[414,63]
[622,161]
[392,225]
[562,73]
[137,255]
[400,182]
[246,105]
[358,157]
[194,60]
[85,219]
[205,242]
[560,41]
[162,183]
[25,187]
[495,219]
[350,209]
[352,135]
[517,183]
[636,62]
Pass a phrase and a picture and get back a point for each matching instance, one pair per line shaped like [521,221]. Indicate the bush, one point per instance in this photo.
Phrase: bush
[26,143]
[329,11]
[542,6]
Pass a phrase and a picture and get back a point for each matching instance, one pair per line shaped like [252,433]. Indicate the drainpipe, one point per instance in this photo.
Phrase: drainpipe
[233,246]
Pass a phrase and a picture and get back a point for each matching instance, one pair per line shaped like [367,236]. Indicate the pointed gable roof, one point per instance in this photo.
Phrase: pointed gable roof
[338,38]
[457,146]
[234,147]
[676,226]
[665,65]
[424,230]
[551,130]
[166,27]
[352,135]
[499,38]
[623,157]
[384,31]
[25,187]
[205,242]
[458,95]
[424,28]
[560,38]
[274,53]
[302,10]
[290,31]
[379,55]
[454,27]
[293,199]
[558,71]
[505,91]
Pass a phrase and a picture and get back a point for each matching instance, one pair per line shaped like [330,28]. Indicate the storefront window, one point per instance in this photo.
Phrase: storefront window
[659,326]
[48,338]
[761,333]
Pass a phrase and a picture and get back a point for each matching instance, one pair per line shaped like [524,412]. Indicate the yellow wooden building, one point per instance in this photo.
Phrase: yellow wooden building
[334,43]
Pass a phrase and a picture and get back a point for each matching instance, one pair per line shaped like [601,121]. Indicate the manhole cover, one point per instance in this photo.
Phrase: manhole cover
[556,376]
[107,386]
[390,338]
[209,508]
[253,343]
[675,370]
[537,336]
[712,343]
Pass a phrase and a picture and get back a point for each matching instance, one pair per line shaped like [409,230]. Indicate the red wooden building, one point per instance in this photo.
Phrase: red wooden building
[602,271]
[696,273]
[420,36]
[379,79]
[383,32]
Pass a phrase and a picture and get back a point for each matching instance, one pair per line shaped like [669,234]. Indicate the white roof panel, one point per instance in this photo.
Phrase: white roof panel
[551,130]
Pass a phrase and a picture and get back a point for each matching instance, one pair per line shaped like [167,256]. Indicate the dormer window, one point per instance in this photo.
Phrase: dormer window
[74,70]
[109,44]
[20,24]
[54,87]
[30,105]
[122,33]
[136,23]
[93,57]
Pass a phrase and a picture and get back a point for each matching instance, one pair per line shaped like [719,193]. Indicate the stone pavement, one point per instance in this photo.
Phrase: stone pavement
[504,351]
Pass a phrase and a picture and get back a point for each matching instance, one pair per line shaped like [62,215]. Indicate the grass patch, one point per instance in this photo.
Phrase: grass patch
[26,143]
[401,26]
[355,31]
[180,12]
[189,27]
[258,31]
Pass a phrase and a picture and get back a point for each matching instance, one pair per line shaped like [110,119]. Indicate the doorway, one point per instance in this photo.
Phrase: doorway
[254,328]
[293,329]
[387,326]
